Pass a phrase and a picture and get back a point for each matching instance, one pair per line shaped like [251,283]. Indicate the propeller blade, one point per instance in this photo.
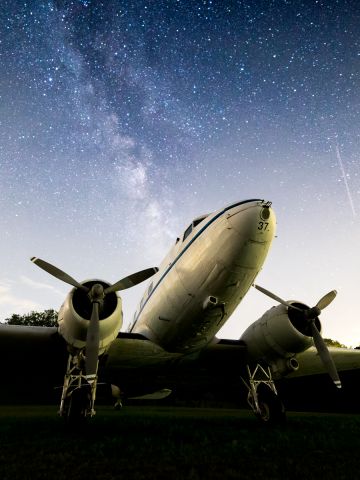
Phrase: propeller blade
[275,297]
[324,355]
[131,280]
[326,299]
[57,273]
[92,342]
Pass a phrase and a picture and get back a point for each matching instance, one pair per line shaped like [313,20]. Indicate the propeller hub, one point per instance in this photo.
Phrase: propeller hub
[312,313]
[96,293]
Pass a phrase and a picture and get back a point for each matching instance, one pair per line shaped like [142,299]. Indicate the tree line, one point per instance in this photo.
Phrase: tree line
[47,318]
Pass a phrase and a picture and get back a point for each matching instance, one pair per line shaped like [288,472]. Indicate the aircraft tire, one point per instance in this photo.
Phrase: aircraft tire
[78,405]
[271,406]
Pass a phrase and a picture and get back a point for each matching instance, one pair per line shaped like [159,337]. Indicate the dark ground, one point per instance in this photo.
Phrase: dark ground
[177,443]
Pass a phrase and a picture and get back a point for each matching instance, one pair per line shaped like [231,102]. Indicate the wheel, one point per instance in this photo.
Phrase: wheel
[78,406]
[272,410]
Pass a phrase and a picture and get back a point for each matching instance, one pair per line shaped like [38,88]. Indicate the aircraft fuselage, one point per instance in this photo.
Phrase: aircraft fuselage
[205,276]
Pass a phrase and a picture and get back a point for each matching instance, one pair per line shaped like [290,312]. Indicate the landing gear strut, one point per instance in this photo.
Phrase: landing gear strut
[262,395]
[79,391]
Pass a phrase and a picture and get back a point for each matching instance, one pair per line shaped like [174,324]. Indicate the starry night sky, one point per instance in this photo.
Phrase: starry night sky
[121,121]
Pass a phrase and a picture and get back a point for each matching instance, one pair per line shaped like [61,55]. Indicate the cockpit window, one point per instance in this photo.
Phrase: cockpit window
[187,231]
[199,220]
[194,224]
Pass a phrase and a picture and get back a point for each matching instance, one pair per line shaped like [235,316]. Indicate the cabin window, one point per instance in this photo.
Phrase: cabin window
[187,231]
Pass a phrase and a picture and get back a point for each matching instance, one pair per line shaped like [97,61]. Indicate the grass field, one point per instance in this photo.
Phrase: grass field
[177,443]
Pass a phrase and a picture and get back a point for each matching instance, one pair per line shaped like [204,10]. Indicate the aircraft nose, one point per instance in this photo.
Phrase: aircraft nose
[256,220]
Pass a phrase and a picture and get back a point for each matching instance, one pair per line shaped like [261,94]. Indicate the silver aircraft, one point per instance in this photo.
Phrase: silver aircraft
[201,281]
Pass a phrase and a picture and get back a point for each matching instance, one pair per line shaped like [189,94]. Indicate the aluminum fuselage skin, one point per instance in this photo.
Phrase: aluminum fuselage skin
[205,276]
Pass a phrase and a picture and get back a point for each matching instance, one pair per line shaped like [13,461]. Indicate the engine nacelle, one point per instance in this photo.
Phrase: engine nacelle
[278,336]
[74,317]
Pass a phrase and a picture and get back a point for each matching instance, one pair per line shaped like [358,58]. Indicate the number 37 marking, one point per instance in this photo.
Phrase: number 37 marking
[263,225]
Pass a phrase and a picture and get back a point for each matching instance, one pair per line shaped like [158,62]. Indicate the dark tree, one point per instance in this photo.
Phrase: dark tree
[47,318]
[334,343]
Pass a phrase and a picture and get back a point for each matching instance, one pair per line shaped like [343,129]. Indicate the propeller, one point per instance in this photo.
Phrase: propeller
[310,315]
[93,332]
[131,280]
[96,295]
[275,297]
[57,273]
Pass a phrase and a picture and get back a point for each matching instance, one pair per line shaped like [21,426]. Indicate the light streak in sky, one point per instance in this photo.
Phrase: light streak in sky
[345,179]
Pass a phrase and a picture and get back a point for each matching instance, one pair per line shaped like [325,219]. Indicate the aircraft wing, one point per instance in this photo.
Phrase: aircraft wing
[34,361]
[310,388]
[346,359]
[133,351]
[142,367]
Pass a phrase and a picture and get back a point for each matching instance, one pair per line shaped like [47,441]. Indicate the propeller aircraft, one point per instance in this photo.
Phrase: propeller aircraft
[201,281]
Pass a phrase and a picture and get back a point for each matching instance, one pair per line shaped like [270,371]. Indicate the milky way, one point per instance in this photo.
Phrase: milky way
[120,121]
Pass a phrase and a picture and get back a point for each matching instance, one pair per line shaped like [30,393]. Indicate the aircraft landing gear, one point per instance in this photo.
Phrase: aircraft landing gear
[263,397]
[117,395]
[79,391]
